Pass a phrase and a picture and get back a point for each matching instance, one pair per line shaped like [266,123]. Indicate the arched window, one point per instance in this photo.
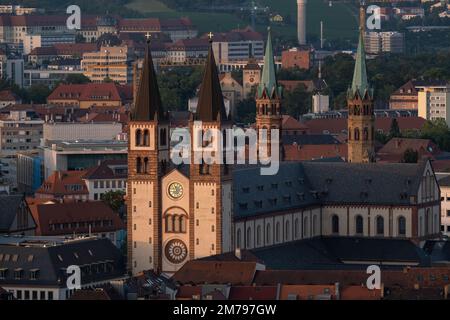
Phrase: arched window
[380,225]
[287,229]
[296,228]
[268,230]
[305,227]
[176,224]
[277,232]
[335,224]
[163,137]
[359,225]
[146,137]
[401,226]
[365,134]
[314,226]
[249,238]
[169,223]
[356,134]
[146,165]
[238,238]
[427,222]
[182,224]
[138,137]
[258,236]
[139,165]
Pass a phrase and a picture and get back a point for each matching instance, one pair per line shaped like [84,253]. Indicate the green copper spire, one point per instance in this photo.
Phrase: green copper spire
[360,83]
[268,78]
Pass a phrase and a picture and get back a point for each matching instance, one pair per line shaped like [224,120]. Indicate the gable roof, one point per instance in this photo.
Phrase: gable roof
[88,92]
[304,184]
[95,214]
[51,259]
[60,183]
[9,206]
[201,272]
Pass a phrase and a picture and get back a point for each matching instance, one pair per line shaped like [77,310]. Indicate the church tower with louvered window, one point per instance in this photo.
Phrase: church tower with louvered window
[361,121]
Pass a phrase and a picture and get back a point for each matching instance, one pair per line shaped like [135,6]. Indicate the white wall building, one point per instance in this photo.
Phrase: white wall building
[434,101]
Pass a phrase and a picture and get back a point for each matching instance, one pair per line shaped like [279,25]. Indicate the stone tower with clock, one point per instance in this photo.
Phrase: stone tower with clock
[176,213]
[148,158]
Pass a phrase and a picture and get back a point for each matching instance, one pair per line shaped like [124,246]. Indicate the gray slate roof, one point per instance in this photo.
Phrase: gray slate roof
[331,252]
[303,184]
[8,210]
[52,260]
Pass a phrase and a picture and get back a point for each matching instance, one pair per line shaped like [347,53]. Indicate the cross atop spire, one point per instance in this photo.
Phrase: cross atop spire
[210,36]
[148,105]
[148,36]
[210,105]
[268,81]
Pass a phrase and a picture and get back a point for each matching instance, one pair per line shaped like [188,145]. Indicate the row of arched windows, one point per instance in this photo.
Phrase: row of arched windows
[268,109]
[142,137]
[175,223]
[355,134]
[359,225]
[356,110]
[335,228]
[277,236]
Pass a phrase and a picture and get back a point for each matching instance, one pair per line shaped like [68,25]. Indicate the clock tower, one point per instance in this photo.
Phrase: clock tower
[251,75]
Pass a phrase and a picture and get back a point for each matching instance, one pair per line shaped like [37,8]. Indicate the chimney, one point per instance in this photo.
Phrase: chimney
[237,253]
[337,291]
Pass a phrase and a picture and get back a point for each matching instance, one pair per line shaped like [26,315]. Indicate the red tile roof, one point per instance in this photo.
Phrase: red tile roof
[189,292]
[394,150]
[75,49]
[91,91]
[60,184]
[290,123]
[96,214]
[253,293]
[359,293]
[8,95]
[44,51]
[201,272]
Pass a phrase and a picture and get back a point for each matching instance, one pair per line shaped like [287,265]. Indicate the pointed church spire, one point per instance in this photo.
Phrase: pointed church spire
[148,105]
[268,79]
[210,105]
[360,83]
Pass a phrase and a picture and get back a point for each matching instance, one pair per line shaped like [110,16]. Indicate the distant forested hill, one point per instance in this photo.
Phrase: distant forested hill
[196,4]
[87,6]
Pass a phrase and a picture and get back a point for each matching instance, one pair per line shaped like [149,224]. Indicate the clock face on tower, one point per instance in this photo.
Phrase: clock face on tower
[175,190]
[252,79]
[176,251]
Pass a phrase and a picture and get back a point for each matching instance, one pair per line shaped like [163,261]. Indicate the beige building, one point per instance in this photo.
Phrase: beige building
[434,101]
[108,62]
[18,133]
[444,184]
[232,90]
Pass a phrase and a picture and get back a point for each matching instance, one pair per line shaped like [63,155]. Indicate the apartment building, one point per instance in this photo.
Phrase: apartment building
[379,42]
[238,45]
[434,100]
[108,63]
[18,132]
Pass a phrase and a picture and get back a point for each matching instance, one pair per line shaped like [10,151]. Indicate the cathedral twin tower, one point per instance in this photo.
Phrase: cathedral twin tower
[180,213]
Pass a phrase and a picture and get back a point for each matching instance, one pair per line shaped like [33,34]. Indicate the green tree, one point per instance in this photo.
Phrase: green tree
[246,111]
[410,156]
[394,131]
[438,131]
[77,79]
[297,102]
[114,199]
